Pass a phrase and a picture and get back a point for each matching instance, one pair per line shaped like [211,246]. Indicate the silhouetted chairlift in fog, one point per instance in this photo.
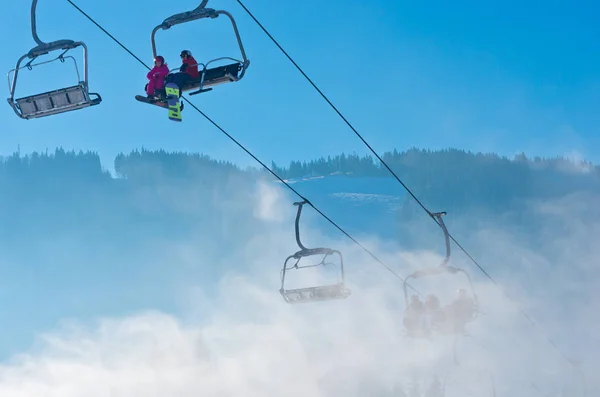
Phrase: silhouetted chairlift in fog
[312,293]
[420,318]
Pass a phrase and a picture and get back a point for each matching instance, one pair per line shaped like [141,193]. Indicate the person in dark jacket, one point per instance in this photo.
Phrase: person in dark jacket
[188,70]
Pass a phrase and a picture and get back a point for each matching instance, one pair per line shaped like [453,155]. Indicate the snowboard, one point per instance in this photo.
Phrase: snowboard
[152,101]
[171,102]
[172,92]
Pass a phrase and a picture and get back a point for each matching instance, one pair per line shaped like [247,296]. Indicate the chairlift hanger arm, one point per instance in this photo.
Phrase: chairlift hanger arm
[303,250]
[440,221]
[297,224]
[42,47]
[36,38]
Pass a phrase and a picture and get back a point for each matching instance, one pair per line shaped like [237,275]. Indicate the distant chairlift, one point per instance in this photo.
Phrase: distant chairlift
[444,268]
[209,77]
[57,101]
[311,294]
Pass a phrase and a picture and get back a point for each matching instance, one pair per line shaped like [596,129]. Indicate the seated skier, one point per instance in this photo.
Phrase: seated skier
[188,71]
[434,309]
[413,318]
[460,311]
[156,77]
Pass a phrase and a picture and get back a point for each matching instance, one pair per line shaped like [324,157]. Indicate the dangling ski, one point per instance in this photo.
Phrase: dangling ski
[172,91]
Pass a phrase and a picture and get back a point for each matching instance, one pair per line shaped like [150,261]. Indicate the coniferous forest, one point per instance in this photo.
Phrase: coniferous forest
[77,182]
[177,190]
[483,178]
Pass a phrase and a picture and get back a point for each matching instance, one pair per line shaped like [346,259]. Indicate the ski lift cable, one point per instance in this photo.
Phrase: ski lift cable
[308,201]
[251,154]
[431,214]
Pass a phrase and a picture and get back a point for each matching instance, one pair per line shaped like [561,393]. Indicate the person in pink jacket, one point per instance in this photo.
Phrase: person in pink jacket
[156,76]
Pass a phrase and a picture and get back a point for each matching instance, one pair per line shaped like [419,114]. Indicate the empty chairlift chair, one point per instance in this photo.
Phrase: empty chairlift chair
[315,293]
[57,101]
[213,75]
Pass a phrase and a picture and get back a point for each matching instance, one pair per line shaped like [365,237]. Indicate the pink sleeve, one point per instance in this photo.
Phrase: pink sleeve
[163,71]
[150,73]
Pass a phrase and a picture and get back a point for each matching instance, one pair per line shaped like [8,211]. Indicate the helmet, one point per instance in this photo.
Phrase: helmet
[186,52]
[160,58]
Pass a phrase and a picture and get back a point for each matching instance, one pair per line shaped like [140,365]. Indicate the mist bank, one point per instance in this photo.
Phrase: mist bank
[204,241]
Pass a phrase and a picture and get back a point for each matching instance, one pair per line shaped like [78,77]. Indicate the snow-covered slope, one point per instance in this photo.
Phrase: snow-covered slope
[358,204]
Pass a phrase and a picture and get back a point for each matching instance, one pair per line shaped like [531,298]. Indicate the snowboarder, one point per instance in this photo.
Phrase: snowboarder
[156,76]
[413,318]
[188,71]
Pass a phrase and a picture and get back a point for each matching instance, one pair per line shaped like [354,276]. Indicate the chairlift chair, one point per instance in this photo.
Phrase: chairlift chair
[209,76]
[318,293]
[442,268]
[57,101]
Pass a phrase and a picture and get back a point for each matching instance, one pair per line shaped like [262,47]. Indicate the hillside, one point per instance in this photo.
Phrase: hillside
[78,242]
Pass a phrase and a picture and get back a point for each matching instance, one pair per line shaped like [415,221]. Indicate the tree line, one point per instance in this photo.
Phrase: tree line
[441,176]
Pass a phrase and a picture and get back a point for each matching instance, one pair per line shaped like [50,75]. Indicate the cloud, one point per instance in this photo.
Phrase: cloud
[239,337]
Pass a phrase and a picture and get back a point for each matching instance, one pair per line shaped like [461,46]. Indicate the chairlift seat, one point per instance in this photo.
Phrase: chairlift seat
[214,76]
[56,101]
[313,294]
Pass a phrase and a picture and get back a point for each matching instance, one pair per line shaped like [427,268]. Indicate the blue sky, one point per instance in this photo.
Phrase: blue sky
[503,77]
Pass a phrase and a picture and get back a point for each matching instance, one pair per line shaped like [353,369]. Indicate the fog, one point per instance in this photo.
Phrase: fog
[232,334]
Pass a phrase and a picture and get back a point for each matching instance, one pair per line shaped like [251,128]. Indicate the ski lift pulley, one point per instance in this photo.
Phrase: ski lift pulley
[214,75]
[319,293]
[57,101]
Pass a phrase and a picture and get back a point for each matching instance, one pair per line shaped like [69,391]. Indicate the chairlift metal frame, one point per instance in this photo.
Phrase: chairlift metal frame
[216,75]
[56,101]
[312,294]
[442,268]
